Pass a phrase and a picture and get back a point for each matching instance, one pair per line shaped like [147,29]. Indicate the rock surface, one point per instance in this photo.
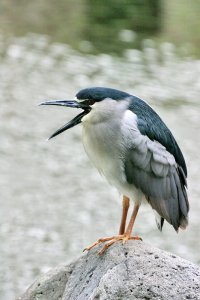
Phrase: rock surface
[131,271]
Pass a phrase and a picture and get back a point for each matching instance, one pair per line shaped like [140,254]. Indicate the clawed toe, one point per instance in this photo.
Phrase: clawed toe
[101,240]
[111,240]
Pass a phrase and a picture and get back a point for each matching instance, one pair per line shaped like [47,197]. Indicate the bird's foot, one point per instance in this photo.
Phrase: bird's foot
[111,240]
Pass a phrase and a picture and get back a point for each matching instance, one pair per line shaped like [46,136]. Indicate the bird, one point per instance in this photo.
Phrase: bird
[132,147]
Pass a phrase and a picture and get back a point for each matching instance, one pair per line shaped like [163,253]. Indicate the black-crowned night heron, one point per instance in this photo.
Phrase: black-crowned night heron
[131,146]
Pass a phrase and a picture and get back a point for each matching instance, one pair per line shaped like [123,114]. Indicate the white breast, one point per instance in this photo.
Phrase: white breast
[100,144]
[102,140]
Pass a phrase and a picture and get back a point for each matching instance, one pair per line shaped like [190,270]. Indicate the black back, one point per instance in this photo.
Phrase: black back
[149,122]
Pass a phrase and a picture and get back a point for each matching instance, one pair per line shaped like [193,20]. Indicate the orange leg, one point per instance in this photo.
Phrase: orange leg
[123,236]
[125,204]
[132,220]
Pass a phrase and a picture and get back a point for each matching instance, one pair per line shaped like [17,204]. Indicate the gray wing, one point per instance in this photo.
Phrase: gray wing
[153,170]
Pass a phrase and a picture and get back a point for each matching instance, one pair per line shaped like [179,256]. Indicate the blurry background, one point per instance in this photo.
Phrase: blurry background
[53,202]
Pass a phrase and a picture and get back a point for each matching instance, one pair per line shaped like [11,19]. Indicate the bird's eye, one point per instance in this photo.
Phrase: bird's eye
[88,102]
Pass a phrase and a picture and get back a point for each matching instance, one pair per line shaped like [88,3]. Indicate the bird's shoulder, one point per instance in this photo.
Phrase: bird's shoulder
[151,125]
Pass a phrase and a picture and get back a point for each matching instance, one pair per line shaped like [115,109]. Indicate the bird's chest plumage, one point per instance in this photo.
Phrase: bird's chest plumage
[101,143]
[106,140]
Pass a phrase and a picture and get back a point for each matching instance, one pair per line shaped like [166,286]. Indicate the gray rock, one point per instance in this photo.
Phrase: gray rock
[131,271]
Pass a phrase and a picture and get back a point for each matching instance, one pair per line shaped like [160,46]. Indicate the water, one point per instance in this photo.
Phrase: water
[53,202]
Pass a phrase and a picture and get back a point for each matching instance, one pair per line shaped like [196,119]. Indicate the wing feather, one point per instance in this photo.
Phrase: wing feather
[151,125]
[154,171]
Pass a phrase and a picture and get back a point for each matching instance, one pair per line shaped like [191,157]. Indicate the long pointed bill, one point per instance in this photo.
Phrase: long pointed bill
[70,124]
[74,121]
[67,103]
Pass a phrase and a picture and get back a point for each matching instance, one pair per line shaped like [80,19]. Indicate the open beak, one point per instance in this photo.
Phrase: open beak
[69,103]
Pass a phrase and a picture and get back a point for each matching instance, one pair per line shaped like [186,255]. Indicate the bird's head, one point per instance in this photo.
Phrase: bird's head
[86,100]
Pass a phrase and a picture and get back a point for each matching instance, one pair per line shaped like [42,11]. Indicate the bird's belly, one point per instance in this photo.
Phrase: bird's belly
[106,153]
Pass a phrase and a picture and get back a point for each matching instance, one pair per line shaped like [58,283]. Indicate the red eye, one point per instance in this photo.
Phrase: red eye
[88,102]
